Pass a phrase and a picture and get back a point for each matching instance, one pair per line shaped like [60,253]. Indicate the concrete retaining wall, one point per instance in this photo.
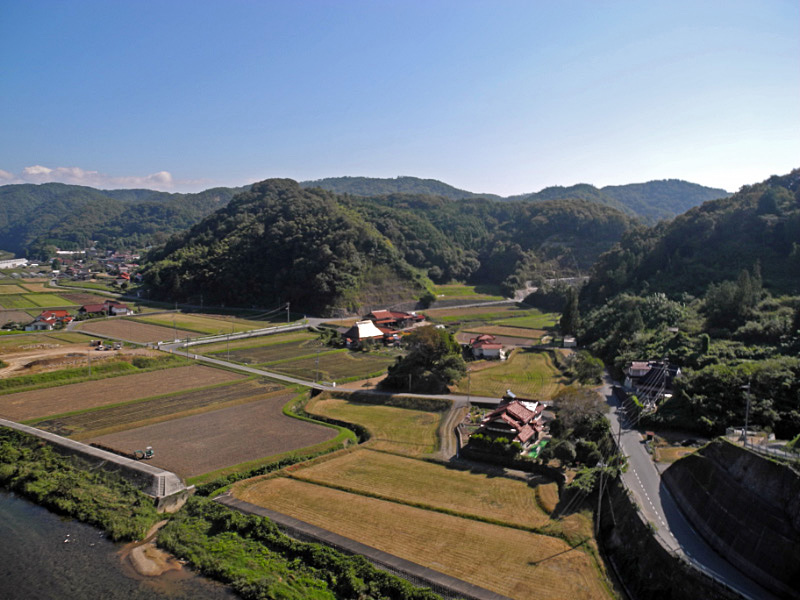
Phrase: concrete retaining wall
[164,486]
[747,508]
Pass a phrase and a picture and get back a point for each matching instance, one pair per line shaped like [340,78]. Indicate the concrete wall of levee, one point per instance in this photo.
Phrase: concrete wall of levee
[747,508]
[166,488]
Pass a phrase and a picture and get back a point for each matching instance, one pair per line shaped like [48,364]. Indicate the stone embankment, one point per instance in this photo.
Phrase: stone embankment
[747,508]
[166,488]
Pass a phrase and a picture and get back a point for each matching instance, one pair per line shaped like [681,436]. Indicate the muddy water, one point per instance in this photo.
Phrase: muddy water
[43,557]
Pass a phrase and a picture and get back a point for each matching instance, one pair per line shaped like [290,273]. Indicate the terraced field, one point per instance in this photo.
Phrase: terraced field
[515,563]
[401,430]
[149,411]
[416,482]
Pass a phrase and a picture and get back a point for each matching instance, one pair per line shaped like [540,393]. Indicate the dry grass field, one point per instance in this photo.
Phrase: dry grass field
[203,324]
[402,430]
[255,343]
[139,413]
[35,404]
[501,310]
[414,481]
[528,374]
[229,436]
[39,288]
[82,298]
[14,316]
[509,561]
[11,288]
[127,329]
[514,332]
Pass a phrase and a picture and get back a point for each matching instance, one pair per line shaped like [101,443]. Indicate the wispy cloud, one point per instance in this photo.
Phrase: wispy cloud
[162,180]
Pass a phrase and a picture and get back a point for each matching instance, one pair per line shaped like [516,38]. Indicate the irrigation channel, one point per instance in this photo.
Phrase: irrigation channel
[47,557]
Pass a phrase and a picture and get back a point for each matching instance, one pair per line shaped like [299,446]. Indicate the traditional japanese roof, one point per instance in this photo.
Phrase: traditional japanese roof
[363,330]
[93,308]
[53,314]
[524,422]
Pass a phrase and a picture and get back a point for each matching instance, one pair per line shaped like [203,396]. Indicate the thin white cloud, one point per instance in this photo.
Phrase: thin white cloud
[162,180]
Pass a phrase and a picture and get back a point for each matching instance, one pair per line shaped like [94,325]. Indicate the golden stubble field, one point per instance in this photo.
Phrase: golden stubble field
[513,562]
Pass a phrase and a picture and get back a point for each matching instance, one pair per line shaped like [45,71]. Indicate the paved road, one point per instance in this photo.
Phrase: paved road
[660,508]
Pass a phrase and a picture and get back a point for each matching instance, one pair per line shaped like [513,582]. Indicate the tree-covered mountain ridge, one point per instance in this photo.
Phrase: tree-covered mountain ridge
[330,253]
[651,201]
[36,218]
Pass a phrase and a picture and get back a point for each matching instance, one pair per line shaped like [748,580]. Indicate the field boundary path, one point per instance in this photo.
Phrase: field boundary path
[445,585]
[658,506]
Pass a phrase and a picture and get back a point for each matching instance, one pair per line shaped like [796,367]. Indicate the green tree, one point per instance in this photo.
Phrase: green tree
[570,318]
[432,363]
[588,368]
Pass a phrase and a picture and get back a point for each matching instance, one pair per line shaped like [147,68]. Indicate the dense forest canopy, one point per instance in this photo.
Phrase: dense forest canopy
[34,219]
[322,251]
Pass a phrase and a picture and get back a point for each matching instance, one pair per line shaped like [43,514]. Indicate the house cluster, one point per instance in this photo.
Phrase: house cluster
[381,325]
[515,419]
[86,264]
[49,320]
[487,346]
[651,380]
[109,307]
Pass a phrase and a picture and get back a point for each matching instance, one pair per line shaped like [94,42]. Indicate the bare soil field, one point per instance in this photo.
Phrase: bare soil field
[83,298]
[34,404]
[125,329]
[516,563]
[64,357]
[205,442]
[415,481]
[162,408]
[14,316]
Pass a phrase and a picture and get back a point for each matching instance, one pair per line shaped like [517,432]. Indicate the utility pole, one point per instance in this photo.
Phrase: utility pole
[316,368]
[746,413]
[288,304]
[469,386]
[601,465]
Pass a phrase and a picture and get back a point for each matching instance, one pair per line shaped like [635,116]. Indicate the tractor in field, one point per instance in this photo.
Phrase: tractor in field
[145,454]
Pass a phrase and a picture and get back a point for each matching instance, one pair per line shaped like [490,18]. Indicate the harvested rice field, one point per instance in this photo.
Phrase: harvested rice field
[138,413]
[401,430]
[205,442]
[512,562]
[203,324]
[504,330]
[35,404]
[418,482]
[255,343]
[529,374]
[129,330]
[340,365]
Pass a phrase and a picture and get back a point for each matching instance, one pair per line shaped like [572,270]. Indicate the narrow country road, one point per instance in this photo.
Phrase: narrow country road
[659,507]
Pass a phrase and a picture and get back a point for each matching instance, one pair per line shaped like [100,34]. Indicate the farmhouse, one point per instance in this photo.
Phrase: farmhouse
[394,320]
[650,380]
[517,420]
[363,330]
[49,320]
[109,307]
[486,346]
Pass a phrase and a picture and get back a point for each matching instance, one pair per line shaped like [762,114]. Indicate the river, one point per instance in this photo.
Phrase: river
[44,556]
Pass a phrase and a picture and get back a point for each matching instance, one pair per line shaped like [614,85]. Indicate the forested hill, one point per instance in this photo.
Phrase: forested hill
[374,186]
[36,218]
[711,243]
[329,253]
[650,202]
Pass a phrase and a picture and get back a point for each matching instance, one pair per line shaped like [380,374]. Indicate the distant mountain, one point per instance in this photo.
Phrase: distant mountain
[33,218]
[710,243]
[373,186]
[651,202]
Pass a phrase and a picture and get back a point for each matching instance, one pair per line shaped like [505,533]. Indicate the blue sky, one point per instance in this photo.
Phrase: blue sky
[495,96]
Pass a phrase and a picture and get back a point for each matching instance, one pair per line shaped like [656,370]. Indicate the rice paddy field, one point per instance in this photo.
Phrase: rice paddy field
[401,430]
[513,562]
[33,301]
[418,483]
[530,374]
[204,324]
[11,288]
[471,292]
[218,348]
[148,411]
[504,330]
[339,366]
[132,331]
[273,350]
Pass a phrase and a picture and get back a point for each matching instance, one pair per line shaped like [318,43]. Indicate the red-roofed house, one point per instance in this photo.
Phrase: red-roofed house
[394,320]
[49,320]
[110,307]
[514,421]
[486,346]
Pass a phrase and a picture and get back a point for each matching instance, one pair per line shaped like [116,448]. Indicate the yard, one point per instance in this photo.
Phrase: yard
[530,374]
[402,430]
[516,563]
[35,404]
[205,442]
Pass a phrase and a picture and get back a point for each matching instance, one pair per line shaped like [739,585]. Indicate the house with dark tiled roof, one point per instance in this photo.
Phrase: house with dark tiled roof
[651,380]
[391,319]
[516,420]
